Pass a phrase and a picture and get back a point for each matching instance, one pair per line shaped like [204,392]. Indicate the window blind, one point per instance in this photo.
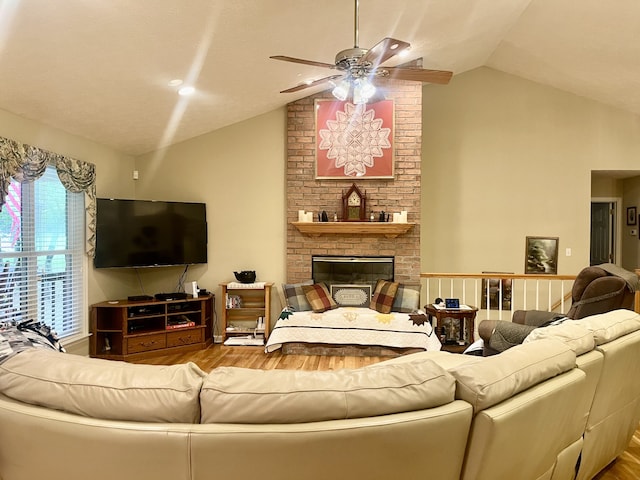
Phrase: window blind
[42,229]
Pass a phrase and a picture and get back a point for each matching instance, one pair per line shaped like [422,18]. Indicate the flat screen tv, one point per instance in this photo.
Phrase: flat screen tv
[144,233]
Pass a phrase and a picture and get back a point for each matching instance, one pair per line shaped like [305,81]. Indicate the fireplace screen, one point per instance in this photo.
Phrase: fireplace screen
[345,270]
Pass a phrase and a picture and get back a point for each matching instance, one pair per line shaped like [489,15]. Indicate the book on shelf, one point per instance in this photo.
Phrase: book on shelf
[173,326]
[233,301]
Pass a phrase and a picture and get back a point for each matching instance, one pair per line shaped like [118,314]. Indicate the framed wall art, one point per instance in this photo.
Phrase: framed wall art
[541,255]
[632,216]
[351,295]
[354,141]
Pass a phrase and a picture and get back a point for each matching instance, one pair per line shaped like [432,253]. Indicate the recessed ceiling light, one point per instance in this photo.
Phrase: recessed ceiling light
[185,91]
[175,82]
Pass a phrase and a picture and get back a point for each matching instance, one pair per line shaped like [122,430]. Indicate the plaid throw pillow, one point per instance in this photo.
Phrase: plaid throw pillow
[407,299]
[295,296]
[319,297]
[383,296]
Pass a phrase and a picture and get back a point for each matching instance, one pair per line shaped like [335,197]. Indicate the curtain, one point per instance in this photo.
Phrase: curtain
[26,163]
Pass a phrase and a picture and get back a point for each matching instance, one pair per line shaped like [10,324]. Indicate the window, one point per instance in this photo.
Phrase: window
[42,259]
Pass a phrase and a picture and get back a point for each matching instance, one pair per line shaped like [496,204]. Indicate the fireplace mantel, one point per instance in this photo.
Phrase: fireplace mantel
[389,230]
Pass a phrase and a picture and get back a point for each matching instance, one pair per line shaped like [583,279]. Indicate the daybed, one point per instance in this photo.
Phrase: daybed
[315,321]
[568,398]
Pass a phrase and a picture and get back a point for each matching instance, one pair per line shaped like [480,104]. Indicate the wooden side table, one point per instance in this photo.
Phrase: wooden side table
[455,326]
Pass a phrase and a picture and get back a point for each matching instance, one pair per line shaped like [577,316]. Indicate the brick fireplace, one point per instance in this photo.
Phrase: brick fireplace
[402,192]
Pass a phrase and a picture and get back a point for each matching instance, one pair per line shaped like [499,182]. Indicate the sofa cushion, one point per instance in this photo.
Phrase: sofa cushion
[407,299]
[606,327]
[240,395]
[103,388]
[570,332]
[319,297]
[295,296]
[383,296]
[496,378]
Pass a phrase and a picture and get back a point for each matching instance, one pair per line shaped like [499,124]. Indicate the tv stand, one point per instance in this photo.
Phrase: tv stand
[134,330]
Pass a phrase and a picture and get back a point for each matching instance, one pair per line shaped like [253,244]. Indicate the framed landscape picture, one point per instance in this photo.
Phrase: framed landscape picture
[354,141]
[541,255]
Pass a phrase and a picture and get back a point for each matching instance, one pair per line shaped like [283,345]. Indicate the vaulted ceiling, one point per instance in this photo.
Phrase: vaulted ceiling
[100,68]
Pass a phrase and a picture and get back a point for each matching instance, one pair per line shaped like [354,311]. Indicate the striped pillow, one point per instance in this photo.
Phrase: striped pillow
[407,299]
[319,297]
[295,296]
[383,296]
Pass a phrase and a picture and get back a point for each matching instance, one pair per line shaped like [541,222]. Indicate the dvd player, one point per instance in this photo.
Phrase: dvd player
[139,298]
[170,296]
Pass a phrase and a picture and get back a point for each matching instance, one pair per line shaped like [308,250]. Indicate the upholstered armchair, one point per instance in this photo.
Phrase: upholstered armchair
[596,289]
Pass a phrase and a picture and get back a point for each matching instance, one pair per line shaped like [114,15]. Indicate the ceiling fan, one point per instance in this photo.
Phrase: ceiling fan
[360,66]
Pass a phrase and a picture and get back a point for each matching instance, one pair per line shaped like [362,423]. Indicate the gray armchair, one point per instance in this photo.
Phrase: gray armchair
[596,289]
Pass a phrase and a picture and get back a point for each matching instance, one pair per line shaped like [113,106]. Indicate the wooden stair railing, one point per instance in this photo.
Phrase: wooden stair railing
[514,291]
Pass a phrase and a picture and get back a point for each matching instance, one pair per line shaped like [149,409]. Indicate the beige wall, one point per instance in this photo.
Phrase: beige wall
[239,172]
[606,187]
[505,158]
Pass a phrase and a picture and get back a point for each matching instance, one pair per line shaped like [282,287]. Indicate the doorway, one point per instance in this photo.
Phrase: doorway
[603,232]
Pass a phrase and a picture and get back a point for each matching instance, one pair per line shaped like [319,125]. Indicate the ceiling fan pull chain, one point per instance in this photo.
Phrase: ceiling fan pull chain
[356,27]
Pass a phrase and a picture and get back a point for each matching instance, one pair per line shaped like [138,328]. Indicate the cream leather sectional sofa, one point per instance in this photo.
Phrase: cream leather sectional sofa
[565,401]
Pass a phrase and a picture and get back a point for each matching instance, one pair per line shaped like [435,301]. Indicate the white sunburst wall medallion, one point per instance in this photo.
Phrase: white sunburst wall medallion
[354,140]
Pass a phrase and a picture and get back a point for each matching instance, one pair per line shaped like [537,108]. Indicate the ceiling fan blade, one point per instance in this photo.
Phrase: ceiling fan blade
[441,77]
[302,86]
[383,51]
[304,62]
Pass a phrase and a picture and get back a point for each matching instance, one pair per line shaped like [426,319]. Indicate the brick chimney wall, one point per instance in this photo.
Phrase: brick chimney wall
[402,192]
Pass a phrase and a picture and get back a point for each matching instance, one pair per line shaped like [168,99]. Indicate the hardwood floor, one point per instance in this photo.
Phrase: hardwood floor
[254,357]
[625,467]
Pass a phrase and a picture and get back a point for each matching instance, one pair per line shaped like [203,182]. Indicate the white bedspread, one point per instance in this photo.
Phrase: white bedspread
[353,326]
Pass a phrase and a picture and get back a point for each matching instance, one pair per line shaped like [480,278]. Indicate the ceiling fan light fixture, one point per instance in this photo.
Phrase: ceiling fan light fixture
[363,90]
[341,90]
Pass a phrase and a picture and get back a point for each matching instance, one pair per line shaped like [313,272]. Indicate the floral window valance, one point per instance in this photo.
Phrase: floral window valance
[26,163]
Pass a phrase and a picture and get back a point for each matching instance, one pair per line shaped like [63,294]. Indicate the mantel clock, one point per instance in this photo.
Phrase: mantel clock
[354,205]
